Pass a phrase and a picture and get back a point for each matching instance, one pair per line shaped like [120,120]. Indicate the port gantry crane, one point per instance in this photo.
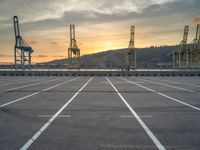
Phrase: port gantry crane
[195,48]
[73,50]
[22,51]
[181,54]
[130,54]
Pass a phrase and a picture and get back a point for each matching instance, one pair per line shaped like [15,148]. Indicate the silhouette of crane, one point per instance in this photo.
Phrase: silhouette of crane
[22,51]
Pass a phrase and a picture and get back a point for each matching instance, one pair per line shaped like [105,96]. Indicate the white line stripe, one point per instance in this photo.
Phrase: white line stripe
[179,101]
[30,95]
[183,83]
[126,116]
[19,99]
[49,116]
[44,127]
[175,87]
[20,87]
[120,82]
[26,146]
[147,130]
[11,79]
[22,82]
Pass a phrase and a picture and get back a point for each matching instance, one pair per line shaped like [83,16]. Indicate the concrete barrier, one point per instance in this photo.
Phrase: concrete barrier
[102,73]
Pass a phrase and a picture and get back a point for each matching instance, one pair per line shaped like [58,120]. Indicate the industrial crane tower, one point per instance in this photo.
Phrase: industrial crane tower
[130,54]
[22,51]
[195,48]
[181,54]
[73,50]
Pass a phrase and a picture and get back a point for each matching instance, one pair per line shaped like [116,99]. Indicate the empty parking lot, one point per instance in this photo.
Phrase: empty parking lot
[99,113]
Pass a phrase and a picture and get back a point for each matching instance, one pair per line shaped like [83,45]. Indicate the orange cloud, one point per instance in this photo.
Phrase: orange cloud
[196,20]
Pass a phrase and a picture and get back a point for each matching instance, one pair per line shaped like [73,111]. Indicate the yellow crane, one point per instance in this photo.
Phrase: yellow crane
[181,54]
[195,48]
[130,54]
[73,50]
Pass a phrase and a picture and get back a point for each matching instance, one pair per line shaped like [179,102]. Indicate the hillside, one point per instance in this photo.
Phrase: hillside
[144,55]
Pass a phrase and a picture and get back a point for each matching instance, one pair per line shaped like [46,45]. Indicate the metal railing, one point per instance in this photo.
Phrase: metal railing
[96,66]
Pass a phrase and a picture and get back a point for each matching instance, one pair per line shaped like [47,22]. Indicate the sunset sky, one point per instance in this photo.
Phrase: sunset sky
[100,24]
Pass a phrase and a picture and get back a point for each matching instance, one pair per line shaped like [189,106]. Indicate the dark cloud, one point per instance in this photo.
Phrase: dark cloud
[183,7]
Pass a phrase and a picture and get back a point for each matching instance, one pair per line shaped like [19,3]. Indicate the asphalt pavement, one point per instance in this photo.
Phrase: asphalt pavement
[99,113]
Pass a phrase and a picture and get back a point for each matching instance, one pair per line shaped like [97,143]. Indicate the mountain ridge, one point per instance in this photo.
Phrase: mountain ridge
[144,55]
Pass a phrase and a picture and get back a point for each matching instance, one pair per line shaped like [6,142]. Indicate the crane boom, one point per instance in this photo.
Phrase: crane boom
[185,35]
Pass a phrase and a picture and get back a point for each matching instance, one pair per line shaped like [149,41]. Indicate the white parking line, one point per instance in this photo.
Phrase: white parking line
[45,126]
[11,79]
[144,126]
[128,116]
[36,93]
[21,82]
[24,86]
[119,82]
[172,86]
[49,116]
[164,95]
[183,83]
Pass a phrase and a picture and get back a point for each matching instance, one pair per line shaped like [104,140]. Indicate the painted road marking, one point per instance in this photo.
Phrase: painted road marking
[22,82]
[179,82]
[164,95]
[49,116]
[45,126]
[144,126]
[172,86]
[20,87]
[119,82]
[36,93]
[128,116]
